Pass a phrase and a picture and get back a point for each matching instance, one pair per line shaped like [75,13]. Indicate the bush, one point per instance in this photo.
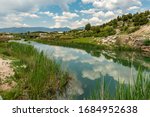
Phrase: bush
[133,29]
[147,42]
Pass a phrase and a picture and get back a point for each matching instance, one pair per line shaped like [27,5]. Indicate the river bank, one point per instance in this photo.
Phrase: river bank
[35,76]
[6,71]
[39,77]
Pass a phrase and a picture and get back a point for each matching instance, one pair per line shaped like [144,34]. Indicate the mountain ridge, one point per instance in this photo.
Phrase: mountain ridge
[32,29]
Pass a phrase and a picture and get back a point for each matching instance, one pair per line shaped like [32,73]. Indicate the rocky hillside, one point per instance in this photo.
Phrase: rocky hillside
[125,24]
[138,40]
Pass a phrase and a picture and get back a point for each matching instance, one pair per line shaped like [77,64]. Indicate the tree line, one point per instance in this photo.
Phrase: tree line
[125,24]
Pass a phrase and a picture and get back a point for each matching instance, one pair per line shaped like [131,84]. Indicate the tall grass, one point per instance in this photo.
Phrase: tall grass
[138,90]
[41,79]
[90,46]
[72,44]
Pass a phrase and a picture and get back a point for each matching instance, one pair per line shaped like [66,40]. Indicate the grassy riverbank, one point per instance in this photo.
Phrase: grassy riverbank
[88,45]
[36,76]
[138,90]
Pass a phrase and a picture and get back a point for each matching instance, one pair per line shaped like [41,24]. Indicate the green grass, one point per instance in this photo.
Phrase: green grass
[87,44]
[41,78]
[139,90]
[73,44]
[147,42]
[89,40]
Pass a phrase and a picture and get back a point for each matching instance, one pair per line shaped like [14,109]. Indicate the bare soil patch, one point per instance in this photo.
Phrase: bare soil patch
[6,71]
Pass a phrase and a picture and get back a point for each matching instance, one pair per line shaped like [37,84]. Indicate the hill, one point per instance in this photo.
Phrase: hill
[125,24]
[32,29]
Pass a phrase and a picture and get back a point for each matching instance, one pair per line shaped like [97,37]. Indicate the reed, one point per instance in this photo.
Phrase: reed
[138,90]
[42,78]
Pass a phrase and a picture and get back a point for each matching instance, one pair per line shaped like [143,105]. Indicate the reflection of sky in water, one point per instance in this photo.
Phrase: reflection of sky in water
[87,70]
[89,66]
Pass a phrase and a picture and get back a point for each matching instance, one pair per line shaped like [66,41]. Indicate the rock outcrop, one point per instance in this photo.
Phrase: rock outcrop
[134,40]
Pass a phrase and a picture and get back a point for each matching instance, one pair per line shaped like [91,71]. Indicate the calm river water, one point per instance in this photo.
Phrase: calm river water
[89,69]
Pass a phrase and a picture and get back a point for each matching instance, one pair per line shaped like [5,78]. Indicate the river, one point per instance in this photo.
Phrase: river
[89,69]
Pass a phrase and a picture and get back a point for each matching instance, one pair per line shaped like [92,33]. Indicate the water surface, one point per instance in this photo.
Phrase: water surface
[88,69]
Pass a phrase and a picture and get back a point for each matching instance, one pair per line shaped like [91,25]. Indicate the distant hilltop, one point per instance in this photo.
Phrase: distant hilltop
[32,29]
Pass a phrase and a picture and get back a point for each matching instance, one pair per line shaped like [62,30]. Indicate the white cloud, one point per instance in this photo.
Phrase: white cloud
[31,5]
[11,20]
[27,9]
[87,1]
[104,15]
[31,15]
[12,23]
[70,15]
[113,4]
[106,10]
[65,16]
[133,8]
[119,12]
[83,22]
[17,24]
[101,12]
[109,14]
[61,20]
[47,13]
[16,20]
[95,21]
[89,11]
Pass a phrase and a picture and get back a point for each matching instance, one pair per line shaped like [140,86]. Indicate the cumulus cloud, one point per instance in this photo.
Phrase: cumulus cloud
[47,13]
[31,5]
[101,14]
[133,8]
[31,15]
[60,20]
[96,18]
[27,8]
[106,10]
[12,20]
[88,1]
[89,11]
[113,4]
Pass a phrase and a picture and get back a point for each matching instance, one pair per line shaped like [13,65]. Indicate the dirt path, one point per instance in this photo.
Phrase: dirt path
[5,72]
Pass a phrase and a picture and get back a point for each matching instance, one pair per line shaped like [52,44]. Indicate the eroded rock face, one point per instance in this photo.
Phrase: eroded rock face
[134,40]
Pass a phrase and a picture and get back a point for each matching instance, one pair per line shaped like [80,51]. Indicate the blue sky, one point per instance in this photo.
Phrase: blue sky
[65,13]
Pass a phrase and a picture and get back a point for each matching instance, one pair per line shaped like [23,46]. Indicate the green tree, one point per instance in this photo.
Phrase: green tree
[88,27]
[95,29]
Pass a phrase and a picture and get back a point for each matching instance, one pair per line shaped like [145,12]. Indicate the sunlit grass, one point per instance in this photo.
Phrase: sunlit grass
[41,78]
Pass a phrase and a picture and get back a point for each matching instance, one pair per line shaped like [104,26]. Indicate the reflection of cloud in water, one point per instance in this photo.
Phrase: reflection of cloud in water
[90,74]
[95,60]
[67,55]
[110,68]
[85,66]
[74,88]
[99,66]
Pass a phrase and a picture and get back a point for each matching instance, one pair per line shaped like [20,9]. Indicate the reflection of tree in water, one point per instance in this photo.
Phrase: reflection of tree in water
[135,59]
